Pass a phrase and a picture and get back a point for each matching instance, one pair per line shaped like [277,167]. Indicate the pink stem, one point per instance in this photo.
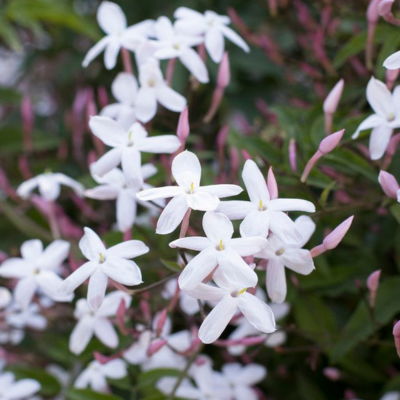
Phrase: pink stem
[126,60]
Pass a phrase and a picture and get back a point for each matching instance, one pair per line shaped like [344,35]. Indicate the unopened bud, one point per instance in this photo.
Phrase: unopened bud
[372,11]
[385,7]
[336,236]
[183,128]
[332,100]
[330,142]
[272,185]
[388,184]
[332,373]
[373,284]
[396,336]
[224,73]
[161,320]
[155,346]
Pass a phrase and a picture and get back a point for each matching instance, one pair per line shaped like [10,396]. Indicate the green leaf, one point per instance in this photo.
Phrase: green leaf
[395,210]
[171,265]
[86,394]
[354,46]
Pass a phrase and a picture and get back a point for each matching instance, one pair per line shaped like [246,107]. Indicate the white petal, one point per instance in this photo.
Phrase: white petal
[186,12]
[50,284]
[217,226]
[72,183]
[95,51]
[379,141]
[202,201]
[255,183]
[159,193]
[111,53]
[49,188]
[111,18]
[291,205]
[106,162]
[372,121]
[197,269]
[123,271]
[248,246]
[235,209]
[102,192]
[217,320]
[78,277]
[81,335]
[26,188]
[214,42]
[298,260]
[306,227]
[163,28]
[276,281]
[97,289]
[258,313]
[31,249]
[192,61]
[172,215]
[128,249]
[197,243]
[186,170]
[170,99]
[235,38]
[130,162]
[107,130]
[160,144]
[115,369]
[15,268]
[24,291]
[393,61]
[54,254]
[206,292]
[22,389]
[124,88]
[146,104]
[105,332]
[281,225]
[222,190]
[380,98]
[91,245]
[255,223]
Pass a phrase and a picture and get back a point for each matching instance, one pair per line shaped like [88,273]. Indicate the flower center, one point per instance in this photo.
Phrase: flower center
[280,251]
[239,292]
[151,82]
[221,245]
[191,188]
[130,139]
[391,117]
[176,46]
[102,258]
[261,206]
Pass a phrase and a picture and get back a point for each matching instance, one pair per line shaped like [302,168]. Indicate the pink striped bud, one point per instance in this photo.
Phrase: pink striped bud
[332,100]
[183,128]
[388,184]
[396,336]
[372,285]
[332,373]
[272,185]
[224,72]
[330,142]
[155,346]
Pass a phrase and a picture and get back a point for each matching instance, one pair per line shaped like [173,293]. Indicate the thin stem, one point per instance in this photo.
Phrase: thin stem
[185,224]
[154,285]
[51,214]
[126,61]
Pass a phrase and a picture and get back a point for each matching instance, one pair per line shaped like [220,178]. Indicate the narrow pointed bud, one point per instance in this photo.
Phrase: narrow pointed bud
[332,373]
[391,76]
[332,100]
[396,336]
[155,346]
[293,155]
[120,317]
[183,128]
[372,18]
[372,285]
[27,122]
[326,145]
[161,319]
[272,185]
[373,11]
[336,236]
[385,7]
[224,72]
[388,184]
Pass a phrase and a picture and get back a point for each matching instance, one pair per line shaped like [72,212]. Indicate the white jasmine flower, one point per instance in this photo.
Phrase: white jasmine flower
[262,214]
[291,255]
[173,44]
[242,378]
[5,297]
[229,298]
[386,118]
[393,61]
[103,264]
[127,145]
[186,170]
[49,185]
[95,375]
[212,26]
[115,185]
[124,88]
[112,21]
[37,269]
[97,322]
[154,89]
[10,389]
[218,248]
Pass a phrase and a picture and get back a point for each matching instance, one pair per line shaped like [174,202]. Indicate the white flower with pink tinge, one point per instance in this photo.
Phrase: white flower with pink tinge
[281,255]
[37,270]
[112,21]
[262,214]
[102,264]
[10,389]
[218,248]
[212,26]
[96,323]
[127,146]
[386,118]
[95,375]
[189,194]
[230,298]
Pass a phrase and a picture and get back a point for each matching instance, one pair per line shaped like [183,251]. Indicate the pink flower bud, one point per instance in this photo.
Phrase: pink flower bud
[389,184]
[101,358]
[222,136]
[332,373]
[391,76]
[293,155]
[373,284]
[396,336]
[183,128]
[272,185]
[385,7]
[336,236]
[155,346]
[224,73]
[332,100]
[120,317]
[372,11]
[161,319]
[330,142]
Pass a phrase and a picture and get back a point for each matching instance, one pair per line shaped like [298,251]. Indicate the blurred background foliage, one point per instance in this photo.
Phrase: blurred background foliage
[298,52]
